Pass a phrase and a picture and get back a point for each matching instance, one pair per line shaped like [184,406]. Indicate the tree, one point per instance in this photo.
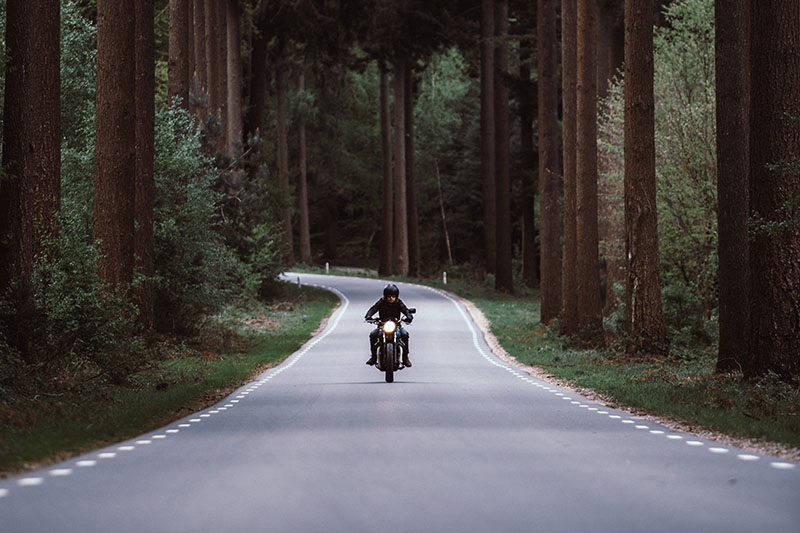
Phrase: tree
[411,184]
[488,147]
[115,165]
[528,156]
[199,44]
[178,74]
[733,160]
[774,188]
[145,149]
[588,270]
[569,265]
[387,218]
[234,76]
[504,279]
[645,318]
[400,186]
[302,179]
[281,120]
[30,190]
[549,198]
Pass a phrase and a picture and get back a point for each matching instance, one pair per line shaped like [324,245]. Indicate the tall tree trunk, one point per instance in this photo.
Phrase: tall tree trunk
[387,219]
[199,88]
[733,171]
[256,119]
[302,181]
[588,270]
[145,132]
[488,158]
[178,76]
[775,188]
[234,71]
[30,194]
[569,265]
[411,184]
[400,193]
[115,163]
[283,157]
[223,142]
[504,276]
[549,198]
[211,27]
[645,318]
[530,257]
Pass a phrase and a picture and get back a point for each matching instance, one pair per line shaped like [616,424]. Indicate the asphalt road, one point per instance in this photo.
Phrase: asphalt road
[459,442]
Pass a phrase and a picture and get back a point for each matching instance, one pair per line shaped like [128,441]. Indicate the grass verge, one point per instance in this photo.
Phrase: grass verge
[43,427]
[681,388]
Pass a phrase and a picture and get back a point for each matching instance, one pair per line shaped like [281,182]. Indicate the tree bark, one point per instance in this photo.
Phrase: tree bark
[115,163]
[234,70]
[178,75]
[645,318]
[588,271]
[411,184]
[211,27]
[549,201]
[387,219]
[569,265]
[302,182]
[199,87]
[283,157]
[400,193]
[488,134]
[504,278]
[774,188]
[145,132]
[733,194]
[30,193]
[530,256]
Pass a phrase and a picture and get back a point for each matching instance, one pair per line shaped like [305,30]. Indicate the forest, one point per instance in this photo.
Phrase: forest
[632,162]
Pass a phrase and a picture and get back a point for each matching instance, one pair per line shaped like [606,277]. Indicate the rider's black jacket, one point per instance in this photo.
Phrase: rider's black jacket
[387,310]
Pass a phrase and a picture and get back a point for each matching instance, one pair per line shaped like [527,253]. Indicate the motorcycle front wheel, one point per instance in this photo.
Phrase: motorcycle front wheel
[388,362]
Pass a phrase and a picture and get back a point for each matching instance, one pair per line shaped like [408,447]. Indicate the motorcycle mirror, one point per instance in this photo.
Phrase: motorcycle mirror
[412,310]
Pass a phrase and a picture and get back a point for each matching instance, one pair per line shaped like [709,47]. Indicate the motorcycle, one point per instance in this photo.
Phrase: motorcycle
[390,346]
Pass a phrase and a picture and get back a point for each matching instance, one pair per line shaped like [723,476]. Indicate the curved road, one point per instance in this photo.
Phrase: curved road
[460,442]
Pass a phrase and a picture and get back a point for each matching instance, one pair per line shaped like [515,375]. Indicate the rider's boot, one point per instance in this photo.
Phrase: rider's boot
[406,360]
[373,359]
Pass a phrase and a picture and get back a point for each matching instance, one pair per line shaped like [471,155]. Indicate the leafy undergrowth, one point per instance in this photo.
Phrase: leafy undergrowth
[44,422]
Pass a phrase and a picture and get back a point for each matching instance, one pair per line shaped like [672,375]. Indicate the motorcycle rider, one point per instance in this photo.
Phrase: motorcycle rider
[389,308]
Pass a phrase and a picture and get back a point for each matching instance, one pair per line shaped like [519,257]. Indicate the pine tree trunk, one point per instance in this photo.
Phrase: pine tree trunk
[488,158]
[400,194]
[569,265]
[588,271]
[411,184]
[283,157]
[234,70]
[223,142]
[504,278]
[733,171]
[30,193]
[302,182]
[211,43]
[530,257]
[387,218]
[775,188]
[115,163]
[549,197]
[178,76]
[645,318]
[145,131]
[199,86]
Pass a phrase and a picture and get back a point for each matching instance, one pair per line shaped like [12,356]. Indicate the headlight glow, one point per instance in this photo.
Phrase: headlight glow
[389,326]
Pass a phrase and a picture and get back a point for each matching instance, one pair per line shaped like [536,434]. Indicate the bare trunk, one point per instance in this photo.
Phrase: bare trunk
[569,265]
[400,198]
[234,70]
[549,198]
[530,257]
[387,219]
[504,278]
[283,158]
[115,163]
[145,127]
[178,76]
[733,172]
[645,318]
[488,134]
[411,185]
[302,183]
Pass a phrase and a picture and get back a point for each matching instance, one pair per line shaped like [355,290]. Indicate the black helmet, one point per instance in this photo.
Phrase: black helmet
[391,289]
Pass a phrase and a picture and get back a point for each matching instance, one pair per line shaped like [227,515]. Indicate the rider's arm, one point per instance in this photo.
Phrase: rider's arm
[372,310]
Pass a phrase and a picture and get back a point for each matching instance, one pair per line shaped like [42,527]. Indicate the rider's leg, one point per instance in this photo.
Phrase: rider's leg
[373,347]
[406,360]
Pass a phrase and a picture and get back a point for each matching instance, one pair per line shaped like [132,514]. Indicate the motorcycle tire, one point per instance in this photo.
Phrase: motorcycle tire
[388,362]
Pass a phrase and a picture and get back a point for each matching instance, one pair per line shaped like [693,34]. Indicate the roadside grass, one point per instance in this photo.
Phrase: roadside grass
[42,427]
[682,387]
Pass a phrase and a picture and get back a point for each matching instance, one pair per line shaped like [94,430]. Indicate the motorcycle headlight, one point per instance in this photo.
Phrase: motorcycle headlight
[389,326]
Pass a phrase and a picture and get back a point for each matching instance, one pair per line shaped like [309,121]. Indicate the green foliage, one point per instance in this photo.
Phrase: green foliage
[685,165]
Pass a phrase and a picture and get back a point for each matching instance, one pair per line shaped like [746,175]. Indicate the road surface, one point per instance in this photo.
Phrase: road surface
[459,442]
